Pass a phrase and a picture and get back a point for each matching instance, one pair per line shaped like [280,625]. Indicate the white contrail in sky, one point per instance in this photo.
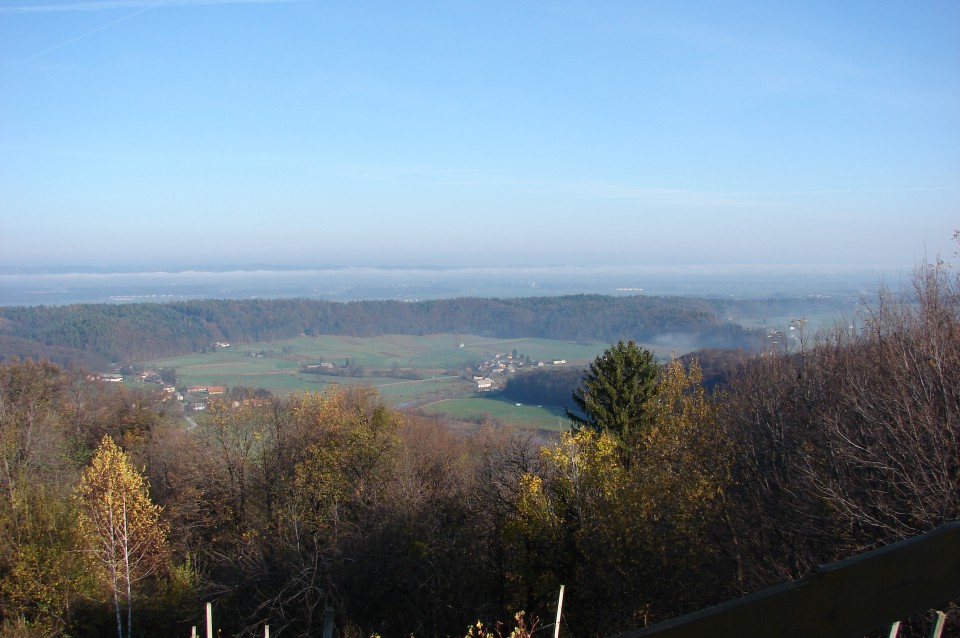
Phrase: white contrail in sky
[101,5]
[85,35]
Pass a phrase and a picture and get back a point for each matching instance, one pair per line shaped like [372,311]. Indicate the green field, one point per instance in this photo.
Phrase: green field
[388,362]
[490,410]
[439,364]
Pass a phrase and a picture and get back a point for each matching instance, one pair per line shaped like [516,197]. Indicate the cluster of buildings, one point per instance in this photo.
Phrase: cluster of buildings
[195,397]
[491,373]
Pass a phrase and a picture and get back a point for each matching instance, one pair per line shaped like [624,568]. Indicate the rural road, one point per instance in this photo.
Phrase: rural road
[383,385]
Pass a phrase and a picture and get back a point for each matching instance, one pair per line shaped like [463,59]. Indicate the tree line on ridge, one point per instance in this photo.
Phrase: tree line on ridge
[275,509]
[94,335]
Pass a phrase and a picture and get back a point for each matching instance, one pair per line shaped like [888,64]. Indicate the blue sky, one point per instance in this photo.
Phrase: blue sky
[184,132]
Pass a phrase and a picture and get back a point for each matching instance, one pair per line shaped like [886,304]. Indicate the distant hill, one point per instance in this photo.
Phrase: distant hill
[96,334]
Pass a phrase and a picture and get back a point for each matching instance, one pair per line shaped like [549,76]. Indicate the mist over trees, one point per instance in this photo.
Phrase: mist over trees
[822,447]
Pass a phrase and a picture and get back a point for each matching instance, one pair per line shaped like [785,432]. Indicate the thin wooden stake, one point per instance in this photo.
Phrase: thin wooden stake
[556,625]
[894,630]
[209,620]
[328,622]
[938,625]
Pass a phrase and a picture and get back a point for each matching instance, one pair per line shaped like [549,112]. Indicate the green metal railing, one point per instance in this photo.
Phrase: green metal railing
[847,599]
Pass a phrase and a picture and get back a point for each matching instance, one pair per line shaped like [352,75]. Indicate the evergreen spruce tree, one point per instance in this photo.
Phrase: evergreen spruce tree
[613,395]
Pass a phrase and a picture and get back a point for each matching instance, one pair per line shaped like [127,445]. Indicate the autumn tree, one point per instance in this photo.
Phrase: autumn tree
[682,471]
[852,442]
[572,527]
[685,451]
[43,577]
[235,433]
[624,523]
[893,421]
[613,395]
[40,576]
[121,526]
[339,489]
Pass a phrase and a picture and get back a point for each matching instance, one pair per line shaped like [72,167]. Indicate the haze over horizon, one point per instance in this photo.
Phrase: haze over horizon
[181,133]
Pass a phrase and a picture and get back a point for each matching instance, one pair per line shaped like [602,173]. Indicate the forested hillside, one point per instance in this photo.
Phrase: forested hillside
[274,509]
[97,334]
[548,386]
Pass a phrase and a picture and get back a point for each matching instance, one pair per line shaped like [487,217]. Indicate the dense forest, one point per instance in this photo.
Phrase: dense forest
[546,386]
[275,509]
[94,335]
[554,386]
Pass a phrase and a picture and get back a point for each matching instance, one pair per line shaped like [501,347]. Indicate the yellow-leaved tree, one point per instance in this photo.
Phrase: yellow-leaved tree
[120,525]
[623,522]
[685,456]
